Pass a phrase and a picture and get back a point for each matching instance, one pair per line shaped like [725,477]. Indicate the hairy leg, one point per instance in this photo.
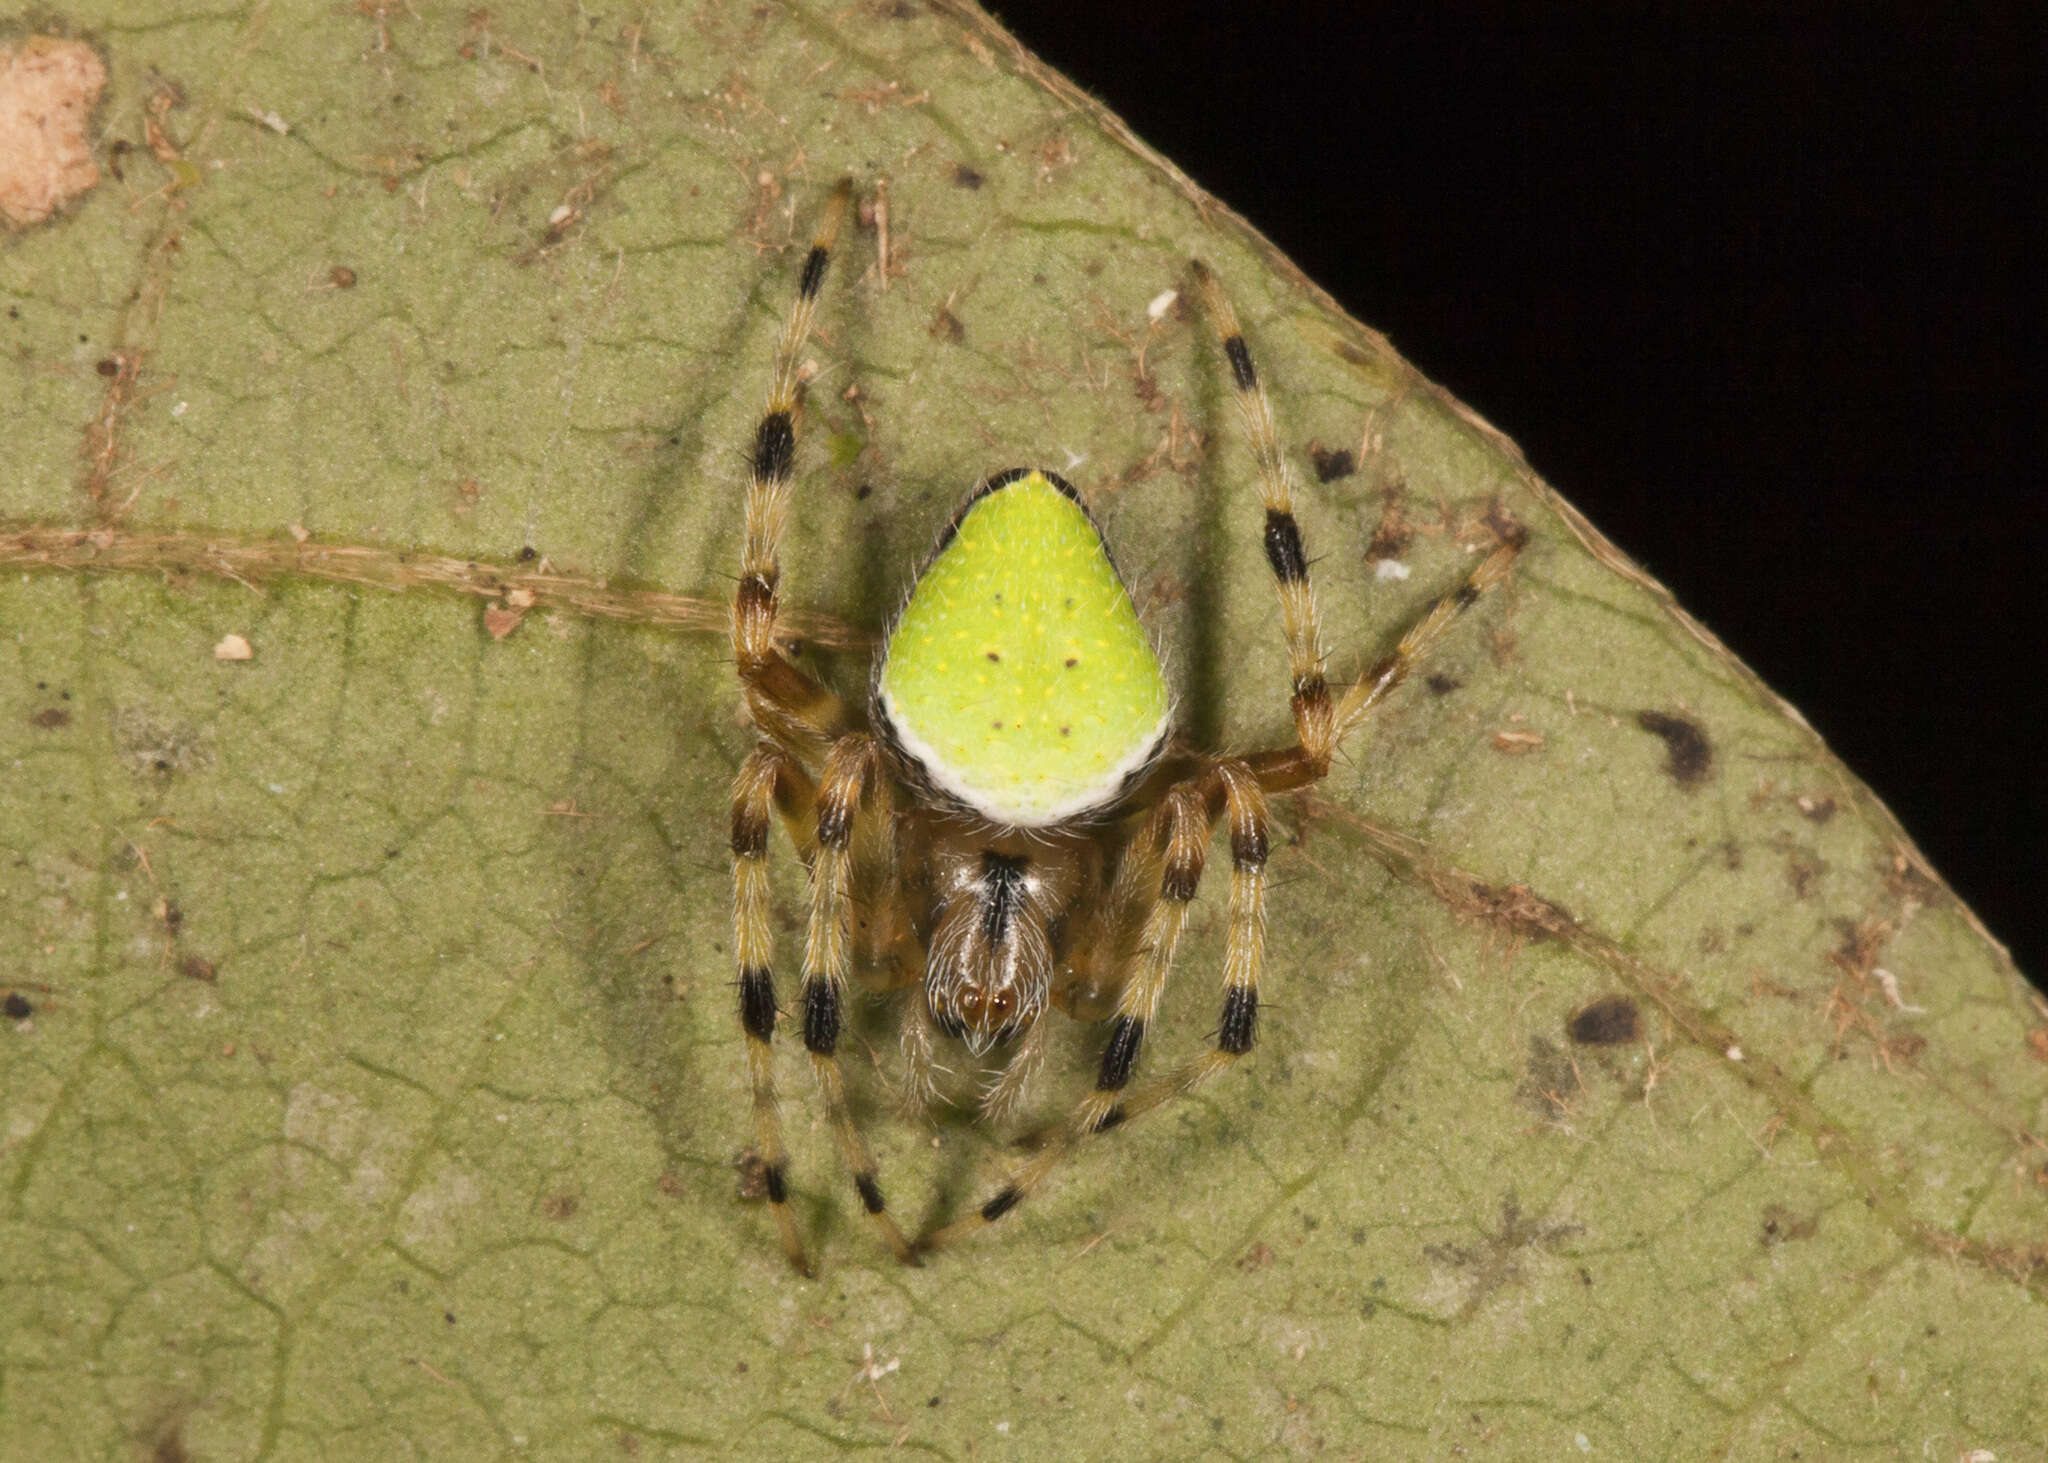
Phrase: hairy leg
[769,782]
[851,768]
[784,702]
[1320,724]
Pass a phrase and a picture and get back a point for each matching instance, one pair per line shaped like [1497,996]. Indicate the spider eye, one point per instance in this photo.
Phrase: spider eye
[982,1015]
[984,1008]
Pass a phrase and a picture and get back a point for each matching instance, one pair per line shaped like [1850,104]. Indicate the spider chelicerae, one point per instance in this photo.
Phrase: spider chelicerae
[1005,820]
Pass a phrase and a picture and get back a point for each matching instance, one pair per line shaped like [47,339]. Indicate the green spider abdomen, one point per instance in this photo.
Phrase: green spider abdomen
[1018,678]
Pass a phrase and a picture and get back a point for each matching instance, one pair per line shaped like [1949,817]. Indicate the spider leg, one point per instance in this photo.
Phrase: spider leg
[1321,726]
[1315,719]
[1422,636]
[1177,846]
[886,952]
[769,780]
[1172,848]
[784,702]
[852,766]
[1284,769]
[1244,954]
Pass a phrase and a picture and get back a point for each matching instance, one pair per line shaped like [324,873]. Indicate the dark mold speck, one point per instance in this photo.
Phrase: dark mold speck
[1689,756]
[1329,465]
[1609,1021]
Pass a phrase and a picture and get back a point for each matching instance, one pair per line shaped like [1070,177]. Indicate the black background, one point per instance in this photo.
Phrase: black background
[1754,291]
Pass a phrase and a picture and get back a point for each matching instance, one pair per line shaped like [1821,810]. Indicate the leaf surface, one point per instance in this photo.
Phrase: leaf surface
[371,1087]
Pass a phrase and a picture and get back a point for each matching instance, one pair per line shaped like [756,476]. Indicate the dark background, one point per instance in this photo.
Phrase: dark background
[1754,291]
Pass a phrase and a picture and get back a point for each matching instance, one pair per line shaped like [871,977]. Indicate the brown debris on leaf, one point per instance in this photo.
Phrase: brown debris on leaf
[501,621]
[48,88]
[503,618]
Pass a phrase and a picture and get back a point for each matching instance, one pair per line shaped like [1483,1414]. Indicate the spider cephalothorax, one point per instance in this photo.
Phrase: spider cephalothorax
[1004,821]
[988,960]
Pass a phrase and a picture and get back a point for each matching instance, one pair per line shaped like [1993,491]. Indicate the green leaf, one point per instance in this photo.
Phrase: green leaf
[1629,1084]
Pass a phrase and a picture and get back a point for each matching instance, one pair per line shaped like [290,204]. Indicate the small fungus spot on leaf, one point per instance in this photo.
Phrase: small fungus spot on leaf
[1392,535]
[1549,1082]
[966,177]
[1802,869]
[170,1448]
[1497,1259]
[17,1006]
[1909,1047]
[50,718]
[159,748]
[1816,810]
[1331,465]
[1609,1021]
[753,1174]
[1783,1226]
[1689,756]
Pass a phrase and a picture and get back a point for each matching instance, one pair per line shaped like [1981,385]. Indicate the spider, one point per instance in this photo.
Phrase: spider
[1005,820]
